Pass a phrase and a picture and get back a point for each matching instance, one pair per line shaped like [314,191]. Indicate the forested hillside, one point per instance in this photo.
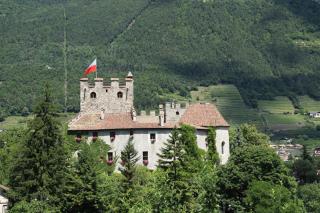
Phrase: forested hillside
[264,47]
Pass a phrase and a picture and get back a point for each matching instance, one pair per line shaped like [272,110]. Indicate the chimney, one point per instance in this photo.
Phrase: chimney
[134,114]
[161,115]
[102,116]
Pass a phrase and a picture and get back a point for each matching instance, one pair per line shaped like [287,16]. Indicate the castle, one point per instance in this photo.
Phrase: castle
[107,112]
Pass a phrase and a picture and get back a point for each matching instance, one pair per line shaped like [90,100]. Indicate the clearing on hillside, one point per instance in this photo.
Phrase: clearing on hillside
[309,104]
[230,103]
[280,104]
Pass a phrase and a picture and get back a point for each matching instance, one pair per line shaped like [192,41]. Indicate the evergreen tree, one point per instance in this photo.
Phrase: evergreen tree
[212,155]
[39,170]
[83,194]
[177,190]
[129,158]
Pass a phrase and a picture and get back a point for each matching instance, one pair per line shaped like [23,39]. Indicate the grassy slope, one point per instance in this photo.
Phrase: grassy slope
[279,105]
[309,104]
[228,100]
[169,45]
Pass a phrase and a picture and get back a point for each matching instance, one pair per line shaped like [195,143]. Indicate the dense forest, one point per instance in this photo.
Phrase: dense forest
[264,47]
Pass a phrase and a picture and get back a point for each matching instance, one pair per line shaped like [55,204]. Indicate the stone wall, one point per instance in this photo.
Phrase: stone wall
[107,96]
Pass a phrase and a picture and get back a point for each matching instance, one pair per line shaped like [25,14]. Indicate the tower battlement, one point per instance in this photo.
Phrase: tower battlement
[112,95]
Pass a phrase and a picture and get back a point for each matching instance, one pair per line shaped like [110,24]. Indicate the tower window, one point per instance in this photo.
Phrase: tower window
[84,94]
[93,95]
[120,94]
[106,90]
[222,147]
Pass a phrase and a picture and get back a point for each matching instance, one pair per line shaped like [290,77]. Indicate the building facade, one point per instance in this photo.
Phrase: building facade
[107,112]
[3,199]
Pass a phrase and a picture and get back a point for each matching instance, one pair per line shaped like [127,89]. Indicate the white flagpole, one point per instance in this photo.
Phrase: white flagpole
[97,68]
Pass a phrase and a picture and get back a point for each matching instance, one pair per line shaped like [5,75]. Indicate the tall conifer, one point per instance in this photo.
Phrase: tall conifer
[38,173]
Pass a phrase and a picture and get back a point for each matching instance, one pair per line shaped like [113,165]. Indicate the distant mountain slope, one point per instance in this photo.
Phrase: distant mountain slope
[264,47]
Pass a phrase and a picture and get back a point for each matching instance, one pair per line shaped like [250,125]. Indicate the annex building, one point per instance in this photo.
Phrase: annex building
[107,112]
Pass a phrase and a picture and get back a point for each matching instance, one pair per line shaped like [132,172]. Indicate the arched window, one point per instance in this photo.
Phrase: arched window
[222,147]
[93,95]
[119,94]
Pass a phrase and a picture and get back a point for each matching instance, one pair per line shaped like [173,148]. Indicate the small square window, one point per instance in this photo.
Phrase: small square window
[152,137]
[112,136]
[94,136]
[78,137]
[110,156]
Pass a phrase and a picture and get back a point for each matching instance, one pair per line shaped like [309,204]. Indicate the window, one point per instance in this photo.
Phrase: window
[106,90]
[152,137]
[93,95]
[94,136]
[119,94]
[112,136]
[177,113]
[145,158]
[84,94]
[110,158]
[78,137]
[222,147]
[131,133]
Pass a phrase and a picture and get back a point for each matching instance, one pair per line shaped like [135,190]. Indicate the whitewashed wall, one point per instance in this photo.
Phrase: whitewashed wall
[3,203]
[141,141]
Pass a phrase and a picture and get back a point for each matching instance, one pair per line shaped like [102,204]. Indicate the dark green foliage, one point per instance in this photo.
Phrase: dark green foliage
[83,192]
[39,169]
[310,194]
[246,164]
[265,197]
[264,47]
[212,154]
[129,157]
[33,207]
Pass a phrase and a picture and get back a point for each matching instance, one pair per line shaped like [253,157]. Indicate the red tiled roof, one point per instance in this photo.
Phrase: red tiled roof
[198,115]
[203,115]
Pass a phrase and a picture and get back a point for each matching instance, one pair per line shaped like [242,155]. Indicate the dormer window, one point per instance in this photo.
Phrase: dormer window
[93,95]
[120,94]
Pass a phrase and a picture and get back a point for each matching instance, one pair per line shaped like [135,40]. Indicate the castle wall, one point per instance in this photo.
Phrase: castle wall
[142,142]
[106,96]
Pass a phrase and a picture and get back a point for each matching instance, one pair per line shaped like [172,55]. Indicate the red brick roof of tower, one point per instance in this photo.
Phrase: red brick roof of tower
[203,115]
[200,116]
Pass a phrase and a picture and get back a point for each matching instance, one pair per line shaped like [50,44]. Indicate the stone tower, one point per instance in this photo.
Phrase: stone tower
[112,96]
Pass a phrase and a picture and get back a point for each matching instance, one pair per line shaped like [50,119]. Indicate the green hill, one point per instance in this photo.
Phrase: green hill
[266,48]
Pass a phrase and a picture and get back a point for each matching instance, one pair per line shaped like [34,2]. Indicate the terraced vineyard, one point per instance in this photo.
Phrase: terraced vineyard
[280,104]
[309,104]
[229,101]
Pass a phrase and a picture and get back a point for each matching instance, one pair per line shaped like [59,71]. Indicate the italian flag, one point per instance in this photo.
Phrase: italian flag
[91,68]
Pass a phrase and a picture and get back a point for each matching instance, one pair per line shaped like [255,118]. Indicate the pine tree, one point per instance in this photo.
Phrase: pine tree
[129,158]
[176,190]
[212,155]
[83,195]
[38,173]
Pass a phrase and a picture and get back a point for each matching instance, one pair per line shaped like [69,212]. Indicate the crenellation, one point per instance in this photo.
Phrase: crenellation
[113,95]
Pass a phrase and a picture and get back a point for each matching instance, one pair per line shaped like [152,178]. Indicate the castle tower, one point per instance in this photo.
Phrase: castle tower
[114,96]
